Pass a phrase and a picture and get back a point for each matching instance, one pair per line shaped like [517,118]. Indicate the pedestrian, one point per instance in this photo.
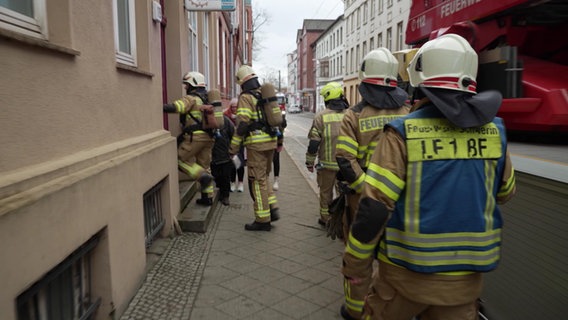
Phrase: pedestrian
[221,163]
[279,148]
[259,139]
[194,150]
[237,174]
[429,210]
[322,141]
[382,101]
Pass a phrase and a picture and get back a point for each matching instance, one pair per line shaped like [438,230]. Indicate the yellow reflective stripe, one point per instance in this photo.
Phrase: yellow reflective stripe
[362,151]
[191,170]
[357,185]
[358,249]
[310,158]
[324,211]
[246,112]
[272,200]
[327,138]
[314,133]
[259,139]
[385,181]
[412,202]
[180,106]
[236,140]
[507,188]
[209,189]
[349,145]
[383,258]
[440,240]
[196,114]
[332,165]
[350,303]
[489,168]
[453,257]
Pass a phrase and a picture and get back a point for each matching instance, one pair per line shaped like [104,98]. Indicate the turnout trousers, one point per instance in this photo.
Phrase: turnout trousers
[326,182]
[259,165]
[194,159]
[400,294]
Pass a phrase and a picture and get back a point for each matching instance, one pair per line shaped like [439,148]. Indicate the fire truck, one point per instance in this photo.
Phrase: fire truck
[523,53]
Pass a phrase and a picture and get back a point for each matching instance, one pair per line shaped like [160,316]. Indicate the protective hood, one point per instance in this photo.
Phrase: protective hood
[383,97]
[251,84]
[337,104]
[463,109]
[200,92]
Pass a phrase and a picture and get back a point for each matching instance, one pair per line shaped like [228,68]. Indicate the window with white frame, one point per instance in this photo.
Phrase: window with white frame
[193,45]
[389,39]
[399,36]
[24,16]
[125,31]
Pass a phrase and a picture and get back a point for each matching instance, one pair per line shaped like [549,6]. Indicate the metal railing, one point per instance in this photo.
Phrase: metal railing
[153,216]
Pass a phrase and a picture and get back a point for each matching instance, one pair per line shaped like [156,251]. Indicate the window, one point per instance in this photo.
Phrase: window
[399,36]
[380,40]
[125,31]
[64,293]
[153,216]
[389,39]
[193,45]
[372,44]
[381,6]
[24,16]
[389,3]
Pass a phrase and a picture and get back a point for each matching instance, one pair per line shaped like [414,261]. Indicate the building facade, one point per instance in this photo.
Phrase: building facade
[310,31]
[371,24]
[88,175]
[328,52]
[292,91]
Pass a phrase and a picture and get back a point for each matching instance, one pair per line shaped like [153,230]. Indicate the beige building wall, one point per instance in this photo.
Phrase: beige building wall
[81,142]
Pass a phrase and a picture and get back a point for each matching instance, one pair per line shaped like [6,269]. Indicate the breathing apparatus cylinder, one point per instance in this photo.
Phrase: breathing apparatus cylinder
[269,105]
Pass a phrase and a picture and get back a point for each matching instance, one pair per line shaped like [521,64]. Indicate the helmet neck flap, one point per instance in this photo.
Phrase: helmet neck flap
[382,97]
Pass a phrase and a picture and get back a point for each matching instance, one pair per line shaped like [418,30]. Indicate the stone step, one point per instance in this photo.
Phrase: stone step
[195,217]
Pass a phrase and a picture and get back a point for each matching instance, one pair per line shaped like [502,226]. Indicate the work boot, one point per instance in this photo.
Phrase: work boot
[258,226]
[205,200]
[225,201]
[345,314]
[322,222]
[274,215]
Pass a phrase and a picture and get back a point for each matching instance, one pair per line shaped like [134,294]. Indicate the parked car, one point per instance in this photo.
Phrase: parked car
[294,109]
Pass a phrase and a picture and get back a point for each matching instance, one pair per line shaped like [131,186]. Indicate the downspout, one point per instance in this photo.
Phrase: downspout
[163,24]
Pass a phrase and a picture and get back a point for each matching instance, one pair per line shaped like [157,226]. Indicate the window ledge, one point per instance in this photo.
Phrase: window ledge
[11,35]
[125,67]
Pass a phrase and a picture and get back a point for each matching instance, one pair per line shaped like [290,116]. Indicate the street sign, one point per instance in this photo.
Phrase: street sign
[210,5]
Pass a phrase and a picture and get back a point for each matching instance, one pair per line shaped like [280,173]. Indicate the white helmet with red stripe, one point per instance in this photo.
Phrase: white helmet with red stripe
[379,67]
[447,62]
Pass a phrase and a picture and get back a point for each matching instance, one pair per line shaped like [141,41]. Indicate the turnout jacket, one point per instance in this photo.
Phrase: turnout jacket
[442,185]
[251,129]
[323,138]
[358,136]
[191,105]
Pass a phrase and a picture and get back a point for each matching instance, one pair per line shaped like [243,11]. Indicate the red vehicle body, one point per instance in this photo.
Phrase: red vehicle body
[523,52]
[281,100]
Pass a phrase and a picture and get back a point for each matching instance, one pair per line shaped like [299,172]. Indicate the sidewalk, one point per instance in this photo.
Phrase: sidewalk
[291,272]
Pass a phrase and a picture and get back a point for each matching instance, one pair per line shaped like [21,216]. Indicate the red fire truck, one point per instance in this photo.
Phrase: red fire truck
[523,52]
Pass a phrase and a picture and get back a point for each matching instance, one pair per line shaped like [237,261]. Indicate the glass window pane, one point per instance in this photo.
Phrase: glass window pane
[25,7]
[123,14]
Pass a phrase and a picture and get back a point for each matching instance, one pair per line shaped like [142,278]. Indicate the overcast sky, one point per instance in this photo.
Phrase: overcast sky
[279,33]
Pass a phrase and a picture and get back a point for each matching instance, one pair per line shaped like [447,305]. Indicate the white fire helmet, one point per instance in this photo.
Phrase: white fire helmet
[244,74]
[447,62]
[379,67]
[194,79]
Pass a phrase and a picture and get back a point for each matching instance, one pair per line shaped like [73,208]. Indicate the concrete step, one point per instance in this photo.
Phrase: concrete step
[195,217]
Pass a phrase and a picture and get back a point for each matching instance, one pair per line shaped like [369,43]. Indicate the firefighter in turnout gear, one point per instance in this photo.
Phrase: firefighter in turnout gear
[195,143]
[323,139]
[382,102]
[429,210]
[260,141]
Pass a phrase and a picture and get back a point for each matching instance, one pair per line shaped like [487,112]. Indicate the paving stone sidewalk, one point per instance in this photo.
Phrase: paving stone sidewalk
[291,272]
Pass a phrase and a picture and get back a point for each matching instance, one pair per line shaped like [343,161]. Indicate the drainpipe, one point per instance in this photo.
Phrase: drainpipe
[163,24]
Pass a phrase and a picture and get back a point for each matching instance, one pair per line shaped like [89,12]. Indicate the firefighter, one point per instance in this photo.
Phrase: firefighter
[323,139]
[194,150]
[260,141]
[429,210]
[382,101]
